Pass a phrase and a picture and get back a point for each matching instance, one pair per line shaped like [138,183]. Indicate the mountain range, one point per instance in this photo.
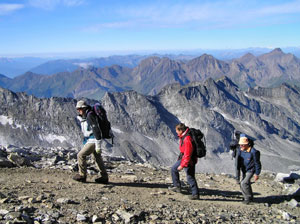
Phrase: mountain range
[153,73]
[144,125]
[48,64]
[12,67]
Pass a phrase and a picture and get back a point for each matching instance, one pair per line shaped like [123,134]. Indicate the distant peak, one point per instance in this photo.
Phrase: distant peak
[277,50]
[226,81]
[210,81]
[206,56]
[246,58]
[151,60]
[248,55]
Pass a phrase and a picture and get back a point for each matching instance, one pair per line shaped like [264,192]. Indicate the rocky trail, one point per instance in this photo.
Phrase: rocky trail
[137,193]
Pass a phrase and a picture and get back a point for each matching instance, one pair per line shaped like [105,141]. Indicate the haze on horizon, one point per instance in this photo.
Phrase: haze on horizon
[45,27]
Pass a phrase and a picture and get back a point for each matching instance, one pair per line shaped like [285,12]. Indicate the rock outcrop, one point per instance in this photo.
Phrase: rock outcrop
[144,125]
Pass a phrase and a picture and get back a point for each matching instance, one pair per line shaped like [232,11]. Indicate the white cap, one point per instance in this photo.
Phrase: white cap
[81,104]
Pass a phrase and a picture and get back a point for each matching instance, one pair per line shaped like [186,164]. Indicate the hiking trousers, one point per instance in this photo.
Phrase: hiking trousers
[237,169]
[246,186]
[88,149]
[190,176]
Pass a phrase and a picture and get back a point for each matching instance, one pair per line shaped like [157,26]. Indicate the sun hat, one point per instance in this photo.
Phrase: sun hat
[81,104]
[243,141]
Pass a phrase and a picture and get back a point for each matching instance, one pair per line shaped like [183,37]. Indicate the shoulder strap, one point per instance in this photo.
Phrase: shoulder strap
[187,134]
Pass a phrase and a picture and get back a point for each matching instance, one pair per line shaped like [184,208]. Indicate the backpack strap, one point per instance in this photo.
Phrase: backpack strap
[186,134]
[181,140]
[93,120]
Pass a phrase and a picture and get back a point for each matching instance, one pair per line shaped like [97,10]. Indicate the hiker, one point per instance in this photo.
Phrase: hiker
[92,143]
[249,163]
[187,160]
[235,147]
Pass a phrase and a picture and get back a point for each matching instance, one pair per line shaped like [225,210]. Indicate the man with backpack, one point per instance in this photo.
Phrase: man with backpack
[92,143]
[187,161]
[249,163]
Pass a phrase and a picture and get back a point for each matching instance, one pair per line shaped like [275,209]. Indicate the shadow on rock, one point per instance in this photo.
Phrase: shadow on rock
[275,199]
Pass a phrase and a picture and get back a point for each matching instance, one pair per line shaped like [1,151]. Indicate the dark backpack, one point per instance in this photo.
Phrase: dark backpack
[103,122]
[198,141]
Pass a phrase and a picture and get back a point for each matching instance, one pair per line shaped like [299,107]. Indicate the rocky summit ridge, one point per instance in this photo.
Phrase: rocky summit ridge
[144,125]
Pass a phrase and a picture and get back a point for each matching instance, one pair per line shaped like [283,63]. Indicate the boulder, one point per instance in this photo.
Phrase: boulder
[4,162]
[19,160]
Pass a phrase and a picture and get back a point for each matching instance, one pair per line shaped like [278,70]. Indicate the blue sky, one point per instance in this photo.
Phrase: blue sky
[30,27]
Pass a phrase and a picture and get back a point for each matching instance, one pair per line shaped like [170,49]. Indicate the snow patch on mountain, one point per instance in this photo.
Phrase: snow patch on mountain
[52,137]
[116,130]
[4,120]
[84,65]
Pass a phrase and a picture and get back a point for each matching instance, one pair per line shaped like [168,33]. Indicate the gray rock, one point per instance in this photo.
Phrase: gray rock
[282,177]
[285,215]
[13,215]
[154,217]
[3,212]
[4,162]
[295,175]
[19,160]
[81,218]
[126,216]
[292,189]
[160,206]
[2,195]
[95,219]
[115,218]
[4,200]
[293,203]
[3,152]
[65,201]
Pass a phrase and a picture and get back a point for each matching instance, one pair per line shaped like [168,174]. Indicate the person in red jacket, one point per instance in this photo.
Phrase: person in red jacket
[186,161]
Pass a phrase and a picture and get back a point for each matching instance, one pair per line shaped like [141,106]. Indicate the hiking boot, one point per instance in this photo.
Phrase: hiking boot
[175,189]
[101,180]
[247,201]
[194,197]
[79,178]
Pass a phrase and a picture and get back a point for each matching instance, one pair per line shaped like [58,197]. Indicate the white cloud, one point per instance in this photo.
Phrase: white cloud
[9,8]
[286,8]
[191,14]
[51,4]
[112,25]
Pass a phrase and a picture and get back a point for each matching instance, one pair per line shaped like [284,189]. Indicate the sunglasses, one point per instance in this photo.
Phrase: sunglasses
[244,145]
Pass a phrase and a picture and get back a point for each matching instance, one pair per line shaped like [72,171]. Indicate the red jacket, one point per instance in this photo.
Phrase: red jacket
[186,148]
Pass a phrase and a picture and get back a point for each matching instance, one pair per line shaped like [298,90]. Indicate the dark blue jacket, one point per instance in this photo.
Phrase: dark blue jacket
[249,161]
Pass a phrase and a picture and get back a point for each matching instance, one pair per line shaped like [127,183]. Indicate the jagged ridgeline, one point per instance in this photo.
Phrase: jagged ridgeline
[144,125]
[151,74]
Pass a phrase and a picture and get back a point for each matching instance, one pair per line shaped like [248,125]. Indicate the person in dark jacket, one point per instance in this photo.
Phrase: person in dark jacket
[92,143]
[186,161]
[249,163]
